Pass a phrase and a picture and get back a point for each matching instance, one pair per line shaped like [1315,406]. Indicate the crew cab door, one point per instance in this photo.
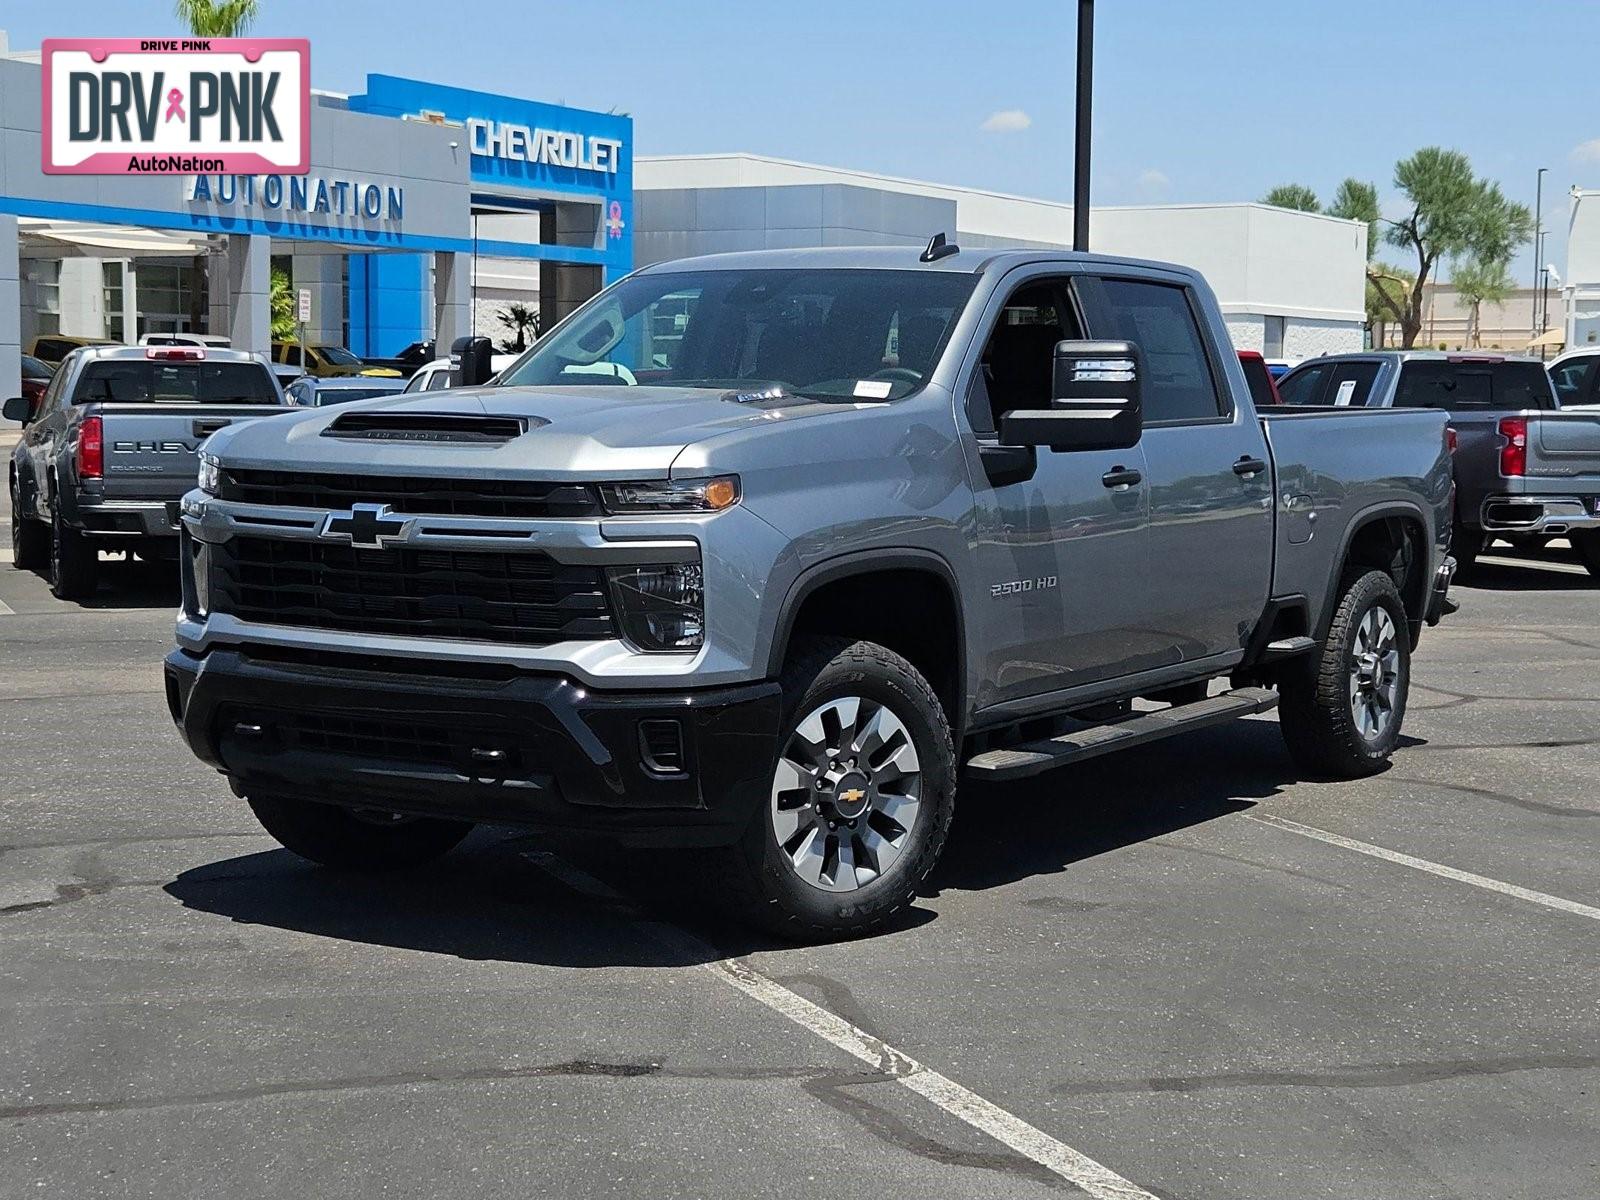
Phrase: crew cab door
[1059,538]
[1207,465]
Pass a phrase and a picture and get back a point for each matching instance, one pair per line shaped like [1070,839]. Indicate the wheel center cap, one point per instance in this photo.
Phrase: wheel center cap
[852,795]
[1370,669]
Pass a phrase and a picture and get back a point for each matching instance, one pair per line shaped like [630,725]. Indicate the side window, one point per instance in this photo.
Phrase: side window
[1572,379]
[291,355]
[1304,385]
[1351,385]
[52,393]
[1018,364]
[418,382]
[1178,383]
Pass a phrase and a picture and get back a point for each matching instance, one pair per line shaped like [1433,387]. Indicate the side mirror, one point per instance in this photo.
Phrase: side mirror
[471,361]
[1096,401]
[18,409]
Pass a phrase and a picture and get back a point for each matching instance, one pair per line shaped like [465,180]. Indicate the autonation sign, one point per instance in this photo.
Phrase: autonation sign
[169,106]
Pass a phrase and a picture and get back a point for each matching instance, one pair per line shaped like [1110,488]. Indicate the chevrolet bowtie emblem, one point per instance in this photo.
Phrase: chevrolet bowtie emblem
[852,795]
[366,526]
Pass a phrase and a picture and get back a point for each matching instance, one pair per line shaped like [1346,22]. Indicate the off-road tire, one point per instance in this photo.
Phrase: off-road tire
[30,539]
[765,888]
[1586,543]
[1314,709]
[74,562]
[338,838]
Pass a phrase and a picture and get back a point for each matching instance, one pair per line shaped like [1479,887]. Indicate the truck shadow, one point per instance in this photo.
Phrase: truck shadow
[489,900]
[1525,574]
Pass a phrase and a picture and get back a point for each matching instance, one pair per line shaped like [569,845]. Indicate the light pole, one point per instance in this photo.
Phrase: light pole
[1538,252]
[1541,279]
[1080,164]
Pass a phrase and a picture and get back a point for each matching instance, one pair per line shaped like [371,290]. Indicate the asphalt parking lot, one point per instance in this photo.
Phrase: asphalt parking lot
[1182,973]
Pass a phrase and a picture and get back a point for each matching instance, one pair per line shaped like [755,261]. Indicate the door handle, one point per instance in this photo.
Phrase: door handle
[204,429]
[1120,479]
[1248,467]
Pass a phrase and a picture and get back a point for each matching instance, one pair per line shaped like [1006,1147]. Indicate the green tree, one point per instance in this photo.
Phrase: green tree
[1293,195]
[1477,280]
[521,319]
[217,18]
[282,306]
[1453,214]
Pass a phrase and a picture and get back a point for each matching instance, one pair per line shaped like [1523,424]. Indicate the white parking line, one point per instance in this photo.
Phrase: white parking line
[1433,868]
[962,1103]
[6,610]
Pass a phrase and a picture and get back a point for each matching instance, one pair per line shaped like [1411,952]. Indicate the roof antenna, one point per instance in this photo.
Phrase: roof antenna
[938,248]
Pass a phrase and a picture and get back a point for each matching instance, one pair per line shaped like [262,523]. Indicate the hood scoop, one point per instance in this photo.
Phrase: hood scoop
[430,427]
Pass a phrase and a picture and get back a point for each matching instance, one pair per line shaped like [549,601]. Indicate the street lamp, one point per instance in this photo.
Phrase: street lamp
[1538,251]
[1080,166]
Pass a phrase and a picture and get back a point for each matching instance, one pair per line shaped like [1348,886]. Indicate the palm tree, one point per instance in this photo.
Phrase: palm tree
[521,319]
[217,18]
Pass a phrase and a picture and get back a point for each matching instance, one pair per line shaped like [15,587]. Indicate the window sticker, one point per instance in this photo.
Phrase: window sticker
[1347,389]
[873,389]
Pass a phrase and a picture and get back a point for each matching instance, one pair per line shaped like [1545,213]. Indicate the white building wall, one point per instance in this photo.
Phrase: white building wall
[1582,284]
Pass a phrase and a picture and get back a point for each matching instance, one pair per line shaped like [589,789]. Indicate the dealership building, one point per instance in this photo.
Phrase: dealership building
[1291,284]
[426,211]
[1581,287]
[433,211]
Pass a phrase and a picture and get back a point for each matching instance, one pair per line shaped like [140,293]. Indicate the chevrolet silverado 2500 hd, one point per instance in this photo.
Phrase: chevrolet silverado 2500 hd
[764,552]
[109,450]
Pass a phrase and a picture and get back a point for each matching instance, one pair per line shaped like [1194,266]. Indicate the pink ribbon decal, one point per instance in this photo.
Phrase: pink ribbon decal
[174,106]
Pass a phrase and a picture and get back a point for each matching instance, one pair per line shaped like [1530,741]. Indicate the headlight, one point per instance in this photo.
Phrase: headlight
[210,475]
[672,495]
[661,607]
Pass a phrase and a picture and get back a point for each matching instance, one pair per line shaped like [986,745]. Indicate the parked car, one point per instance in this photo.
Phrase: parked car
[1262,388]
[53,347]
[435,376]
[773,587]
[108,454]
[36,376]
[311,392]
[213,341]
[1576,378]
[415,355]
[325,362]
[1524,471]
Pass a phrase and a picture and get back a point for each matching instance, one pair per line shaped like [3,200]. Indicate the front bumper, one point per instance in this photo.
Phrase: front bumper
[503,746]
[1543,515]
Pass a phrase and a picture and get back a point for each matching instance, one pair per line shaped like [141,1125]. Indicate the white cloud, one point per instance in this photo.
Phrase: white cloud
[1007,120]
[1586,153]
[1153,182]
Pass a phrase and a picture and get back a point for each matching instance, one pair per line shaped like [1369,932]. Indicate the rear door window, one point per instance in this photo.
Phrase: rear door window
[1305,385]
[1350,385]
[1179,384]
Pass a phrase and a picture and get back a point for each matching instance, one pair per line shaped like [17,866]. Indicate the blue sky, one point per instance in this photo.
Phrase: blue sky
[1194,100]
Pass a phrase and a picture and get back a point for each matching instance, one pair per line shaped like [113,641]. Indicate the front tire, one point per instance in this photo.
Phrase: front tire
[74,562]
[30,540]
[356,840]
[1341,709]
[862,795]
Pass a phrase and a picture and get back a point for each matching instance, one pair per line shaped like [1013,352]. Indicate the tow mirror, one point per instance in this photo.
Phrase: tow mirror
[1096,401]
[471,361]
[18,409]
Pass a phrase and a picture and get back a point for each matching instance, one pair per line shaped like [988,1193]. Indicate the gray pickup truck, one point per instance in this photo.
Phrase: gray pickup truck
[764,552]
[1525,471]
[110,448]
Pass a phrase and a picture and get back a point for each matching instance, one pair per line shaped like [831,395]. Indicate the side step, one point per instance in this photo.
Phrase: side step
[1287,648]
[1031,758]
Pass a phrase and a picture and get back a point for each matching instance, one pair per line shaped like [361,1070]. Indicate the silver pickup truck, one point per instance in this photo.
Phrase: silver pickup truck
[765,552]
[110,448]
[1525,471]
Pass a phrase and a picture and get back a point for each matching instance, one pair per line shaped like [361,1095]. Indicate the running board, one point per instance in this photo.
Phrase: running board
[1287,647]
[1031,758]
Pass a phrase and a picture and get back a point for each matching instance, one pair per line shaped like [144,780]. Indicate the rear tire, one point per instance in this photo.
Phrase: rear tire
[1587,544]
[862,796]
[342,839]
[30,539]
[74,562]
[1341,708]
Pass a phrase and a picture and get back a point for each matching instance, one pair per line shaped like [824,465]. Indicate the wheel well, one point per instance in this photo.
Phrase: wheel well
[907,610]
[1398,546]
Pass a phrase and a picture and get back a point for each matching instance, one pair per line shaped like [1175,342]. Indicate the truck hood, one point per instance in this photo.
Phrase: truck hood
[574,432]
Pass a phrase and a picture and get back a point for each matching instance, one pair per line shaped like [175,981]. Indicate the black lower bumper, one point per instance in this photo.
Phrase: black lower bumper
[659,768]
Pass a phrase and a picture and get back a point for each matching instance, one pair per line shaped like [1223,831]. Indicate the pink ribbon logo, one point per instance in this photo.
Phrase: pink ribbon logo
[174,106]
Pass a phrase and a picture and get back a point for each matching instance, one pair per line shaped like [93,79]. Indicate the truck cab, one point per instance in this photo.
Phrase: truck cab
[767,552]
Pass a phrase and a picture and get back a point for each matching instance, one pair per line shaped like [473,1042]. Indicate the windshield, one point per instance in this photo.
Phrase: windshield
[339,356]
[143,381]
[326,396]
[825,334]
